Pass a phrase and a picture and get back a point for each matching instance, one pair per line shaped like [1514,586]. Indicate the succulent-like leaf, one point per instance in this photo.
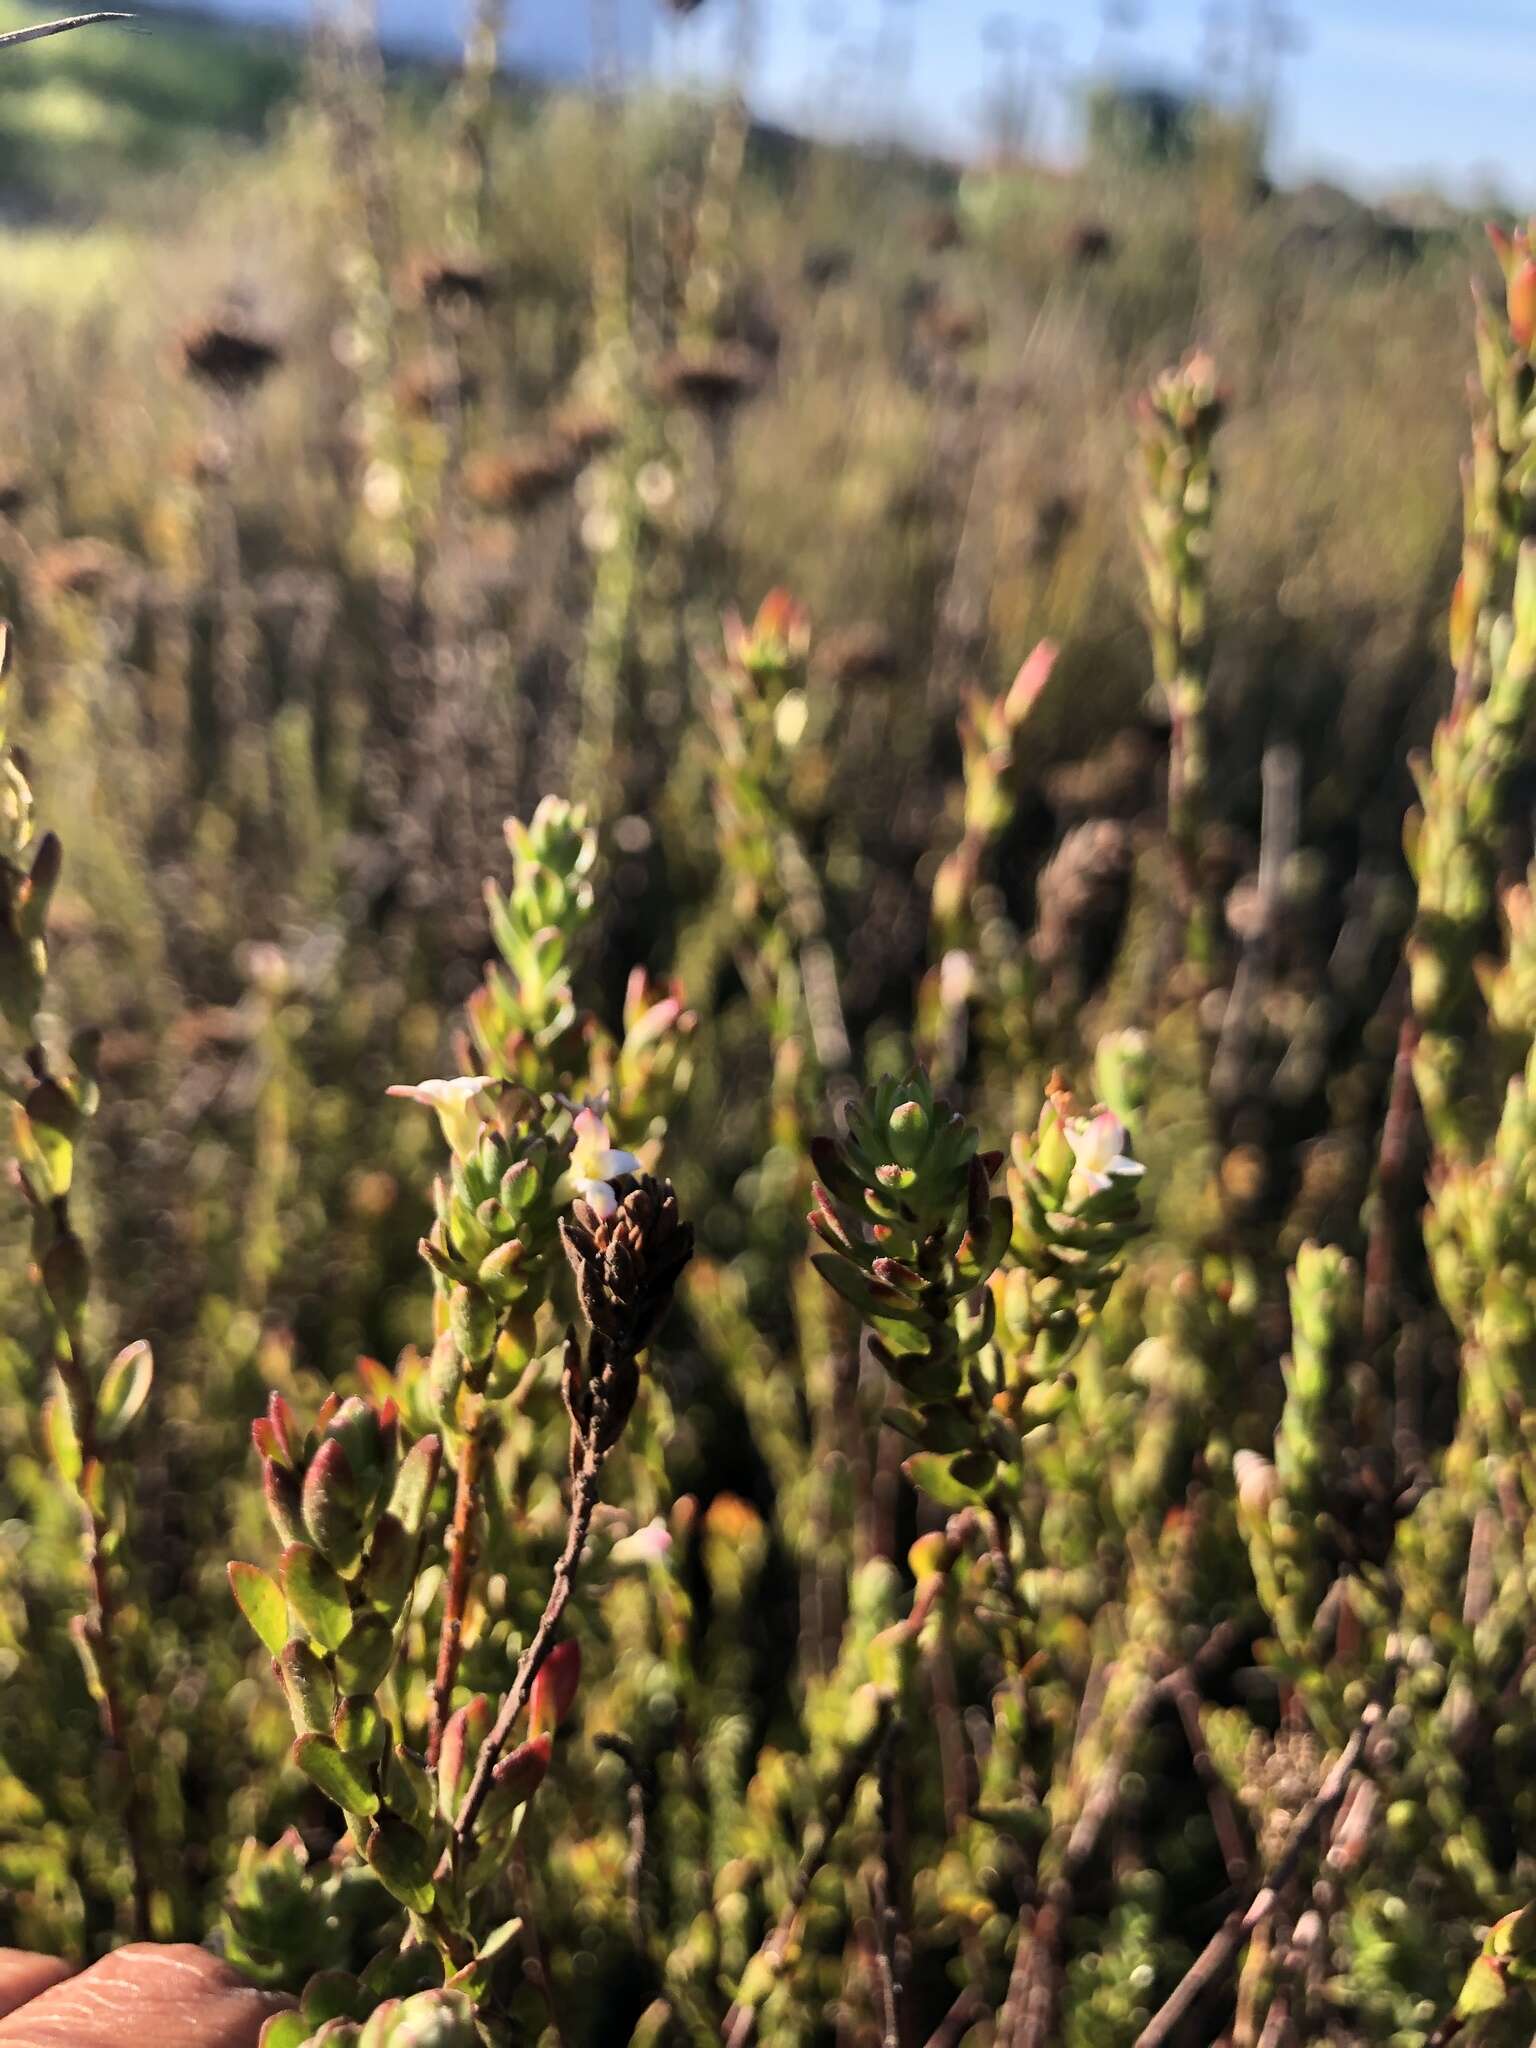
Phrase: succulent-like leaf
[124,1390]
[261,1601]
[338,1776]
[403,1862]
[318,1596]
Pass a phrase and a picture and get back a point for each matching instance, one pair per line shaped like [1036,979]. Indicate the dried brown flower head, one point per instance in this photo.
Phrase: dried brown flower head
[1081,889]
[434,380]
[231,358]
[585,429]
[944,325]
[826,264]
[1089,242]
[207,460]
[712,375]
[939,229]
[449,282]
[626,1264]
[82,568]
[520,476]
[865,653]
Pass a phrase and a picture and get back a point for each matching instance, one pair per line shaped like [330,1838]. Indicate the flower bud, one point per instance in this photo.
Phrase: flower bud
[554,1689]
[1521,296]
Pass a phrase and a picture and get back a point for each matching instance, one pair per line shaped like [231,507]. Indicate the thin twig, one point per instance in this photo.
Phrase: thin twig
[1028,2016]
[642,1786]
[1027,2019]
[461,1563]
[535,1964]
[97,1627]
[1220,1952]
[584,1492]
[741,2020]
[1229,1829]
[962,2015]
[885,1888]
[1391,1191]
[56,28]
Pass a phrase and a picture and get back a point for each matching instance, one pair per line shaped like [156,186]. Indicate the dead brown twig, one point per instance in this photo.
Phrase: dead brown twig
[56,28]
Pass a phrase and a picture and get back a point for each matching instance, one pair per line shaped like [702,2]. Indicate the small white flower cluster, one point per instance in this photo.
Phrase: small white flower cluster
[595,1161]
[457,1104]
[1099,1149]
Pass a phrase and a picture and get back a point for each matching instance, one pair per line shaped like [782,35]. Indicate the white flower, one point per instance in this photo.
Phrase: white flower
[595,1162]
[458,1107]
[957,978]
[649,1545]
[1098,1147]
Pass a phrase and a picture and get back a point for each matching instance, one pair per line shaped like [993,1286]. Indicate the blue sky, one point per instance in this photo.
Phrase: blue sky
[1384,93]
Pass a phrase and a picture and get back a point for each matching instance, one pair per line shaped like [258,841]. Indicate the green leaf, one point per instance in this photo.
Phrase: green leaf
[389,1567]
[402,1860]
[334,1995]
[59,1432]
[474,1980]
[285,2030]
[310,1687]
[412,1494]
[1485,1989]
[363,1660]
[410,1789]
[318,1595]
[947,1429]
[260,1600]
[357,1726]
[872,1299]
[337,1776]
[125,1388]
[955,1481]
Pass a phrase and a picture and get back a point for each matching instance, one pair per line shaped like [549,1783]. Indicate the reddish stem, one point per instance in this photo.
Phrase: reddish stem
[450,1644]
[1391,1165]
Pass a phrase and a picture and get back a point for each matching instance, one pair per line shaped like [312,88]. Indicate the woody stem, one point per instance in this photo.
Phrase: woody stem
[461,1563]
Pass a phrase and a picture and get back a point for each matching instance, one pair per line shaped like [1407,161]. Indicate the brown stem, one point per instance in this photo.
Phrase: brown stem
[1229,1829]
[535,1964]
[584,1492]
[99,1621]
[1214,1961]
[1031,2006]
[885,1897]
[57,28]
[1391,1166]
[741,2020]
[1027,2019]
[957,2022]
[450,1642]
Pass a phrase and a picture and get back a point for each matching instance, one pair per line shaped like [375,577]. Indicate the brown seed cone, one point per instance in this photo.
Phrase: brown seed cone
[599,1391]
[83,568]
[627,1264]
[448,280]
[232,358]
[521,476]
[712,375]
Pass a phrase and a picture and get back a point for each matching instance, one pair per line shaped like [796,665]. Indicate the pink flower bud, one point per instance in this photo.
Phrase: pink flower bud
[554,1690]
[1522,302]
[520,1774]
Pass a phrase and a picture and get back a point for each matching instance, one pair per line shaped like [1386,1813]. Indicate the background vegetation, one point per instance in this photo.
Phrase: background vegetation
[380,452]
